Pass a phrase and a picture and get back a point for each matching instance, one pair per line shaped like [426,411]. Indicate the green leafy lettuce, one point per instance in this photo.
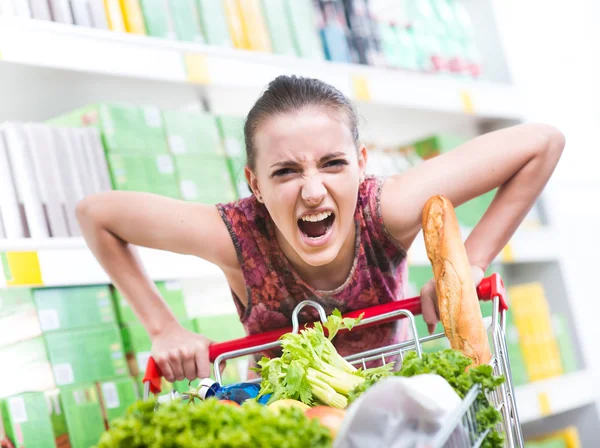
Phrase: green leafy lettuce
[311,370]
[213,424]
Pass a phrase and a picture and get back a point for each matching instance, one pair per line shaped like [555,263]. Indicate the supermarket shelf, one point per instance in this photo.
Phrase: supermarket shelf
[526,246]
[68,261]
[555,395]
[80,49]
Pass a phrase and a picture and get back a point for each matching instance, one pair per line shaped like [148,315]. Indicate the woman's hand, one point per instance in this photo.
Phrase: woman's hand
[180,353]
[429,303]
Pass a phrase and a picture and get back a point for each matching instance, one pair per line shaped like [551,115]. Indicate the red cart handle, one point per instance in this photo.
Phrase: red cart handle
[489,288]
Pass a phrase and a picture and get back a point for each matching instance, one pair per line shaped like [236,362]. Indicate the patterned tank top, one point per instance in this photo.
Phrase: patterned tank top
[274,288]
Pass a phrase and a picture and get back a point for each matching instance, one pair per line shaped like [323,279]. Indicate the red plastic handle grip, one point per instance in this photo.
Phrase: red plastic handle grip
[489,288]
[153,375]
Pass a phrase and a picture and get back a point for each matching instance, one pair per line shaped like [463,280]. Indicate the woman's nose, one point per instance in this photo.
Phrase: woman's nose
[313,191]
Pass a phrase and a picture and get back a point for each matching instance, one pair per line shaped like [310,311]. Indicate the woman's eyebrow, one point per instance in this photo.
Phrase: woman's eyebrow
[325,158]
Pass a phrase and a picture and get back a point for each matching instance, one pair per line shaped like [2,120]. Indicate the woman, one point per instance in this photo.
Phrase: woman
[316,227]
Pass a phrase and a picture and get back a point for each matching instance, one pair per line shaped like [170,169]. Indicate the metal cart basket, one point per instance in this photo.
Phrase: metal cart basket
[460,428]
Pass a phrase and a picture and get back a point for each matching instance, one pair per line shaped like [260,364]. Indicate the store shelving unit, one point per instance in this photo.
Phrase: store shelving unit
[65,67]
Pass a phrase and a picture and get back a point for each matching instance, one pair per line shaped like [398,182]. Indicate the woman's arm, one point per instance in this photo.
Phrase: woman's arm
[112,222]
[518,161]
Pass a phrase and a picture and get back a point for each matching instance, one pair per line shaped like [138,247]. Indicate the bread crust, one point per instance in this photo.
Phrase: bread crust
[458,304]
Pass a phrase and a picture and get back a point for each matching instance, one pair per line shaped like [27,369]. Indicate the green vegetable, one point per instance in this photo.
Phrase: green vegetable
[311,370]
[211,424]
[452,365]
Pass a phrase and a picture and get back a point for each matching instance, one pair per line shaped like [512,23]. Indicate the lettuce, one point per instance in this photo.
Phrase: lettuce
[213,424]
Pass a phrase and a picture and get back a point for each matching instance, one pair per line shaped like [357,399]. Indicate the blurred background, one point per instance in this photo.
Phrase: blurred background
[150,95]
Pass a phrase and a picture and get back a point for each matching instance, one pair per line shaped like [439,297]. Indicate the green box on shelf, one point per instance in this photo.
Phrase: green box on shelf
[116,396]
[213,22]
[18,316]
[125,128]
[74,307]
[565,343]
[156,19]
[161,175]
[185,20]
[57,418]
[88,354]
[205,178]
[25,420]
[303,25]
[171,291]
[277,24]
[192,132]
[127,172]
[83,414]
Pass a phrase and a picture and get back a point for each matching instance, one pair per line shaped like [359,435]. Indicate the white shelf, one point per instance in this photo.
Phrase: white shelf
[526,246]
[80,49]
[68,261]
[555,395]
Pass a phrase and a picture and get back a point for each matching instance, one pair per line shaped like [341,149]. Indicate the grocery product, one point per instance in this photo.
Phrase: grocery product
[26,184]
[184,15]
[98,14]
[18,317]
[125,128]
[217,424]
[160,173]
[12,224]
[74,307]
[16,8]
[302,22]
[458,303]
[231,129]
[192,132]
[238,393]
[157,19]
[133,17]
[560,326]
[235,24]
[254,25]
[25,420]
[311,370]
[86,354]
[116,396]
[213,22]
[276,20]
[171,291]
[205,178]
[83,414]
[114,15]
[333,32]
[61,11]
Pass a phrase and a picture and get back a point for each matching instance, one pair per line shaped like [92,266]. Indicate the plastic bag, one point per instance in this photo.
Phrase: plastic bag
[398,412]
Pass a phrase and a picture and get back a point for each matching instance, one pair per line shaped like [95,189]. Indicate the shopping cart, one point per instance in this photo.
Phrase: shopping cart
[460,429]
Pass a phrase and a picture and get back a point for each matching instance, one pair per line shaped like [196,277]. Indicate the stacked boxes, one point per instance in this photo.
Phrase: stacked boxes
[25,420]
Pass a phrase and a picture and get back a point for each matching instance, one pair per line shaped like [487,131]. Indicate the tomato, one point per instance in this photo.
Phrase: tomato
[230,403]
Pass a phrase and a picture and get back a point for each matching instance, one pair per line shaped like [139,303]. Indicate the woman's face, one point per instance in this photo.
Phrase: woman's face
[307,173]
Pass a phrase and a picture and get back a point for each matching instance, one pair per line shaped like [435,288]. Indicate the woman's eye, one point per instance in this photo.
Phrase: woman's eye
[283,172]
[335,163]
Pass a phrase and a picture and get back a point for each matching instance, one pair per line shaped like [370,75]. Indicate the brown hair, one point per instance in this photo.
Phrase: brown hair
[292,93]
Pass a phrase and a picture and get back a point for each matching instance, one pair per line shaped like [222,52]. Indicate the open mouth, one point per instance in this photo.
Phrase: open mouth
[316,226]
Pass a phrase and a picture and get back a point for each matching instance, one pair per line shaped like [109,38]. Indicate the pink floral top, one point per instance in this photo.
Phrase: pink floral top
[274,288]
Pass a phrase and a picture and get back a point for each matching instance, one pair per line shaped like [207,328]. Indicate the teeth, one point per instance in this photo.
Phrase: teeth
[318,217]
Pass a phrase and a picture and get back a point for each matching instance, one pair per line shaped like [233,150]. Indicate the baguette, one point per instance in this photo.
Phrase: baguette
[458,304]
